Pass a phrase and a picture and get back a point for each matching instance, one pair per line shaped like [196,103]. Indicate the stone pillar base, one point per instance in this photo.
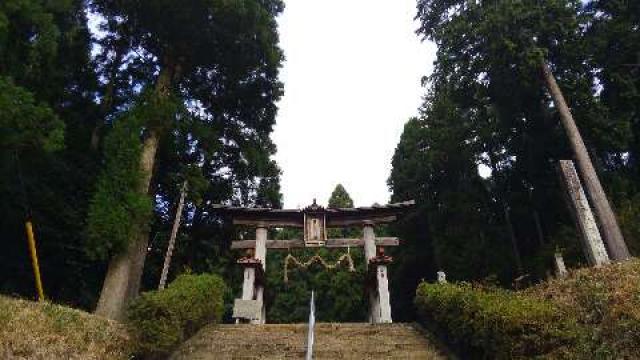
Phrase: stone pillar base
[252,290]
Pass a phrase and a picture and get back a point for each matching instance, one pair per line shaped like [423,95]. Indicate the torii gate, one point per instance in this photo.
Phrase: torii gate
[314,220]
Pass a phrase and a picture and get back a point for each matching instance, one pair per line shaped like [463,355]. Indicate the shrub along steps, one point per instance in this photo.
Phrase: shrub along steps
[332,341]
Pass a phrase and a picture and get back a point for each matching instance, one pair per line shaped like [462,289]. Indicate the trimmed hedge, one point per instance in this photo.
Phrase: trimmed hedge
[606,302]
[496,323]
[163,319]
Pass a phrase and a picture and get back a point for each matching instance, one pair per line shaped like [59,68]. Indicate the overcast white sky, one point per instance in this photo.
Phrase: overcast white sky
[352,79]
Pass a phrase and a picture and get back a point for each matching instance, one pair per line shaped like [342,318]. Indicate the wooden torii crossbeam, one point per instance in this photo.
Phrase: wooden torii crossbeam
[314,220]
[329,243]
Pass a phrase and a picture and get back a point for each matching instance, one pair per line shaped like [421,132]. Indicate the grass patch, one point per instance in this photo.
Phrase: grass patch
[33,330]
[594,313]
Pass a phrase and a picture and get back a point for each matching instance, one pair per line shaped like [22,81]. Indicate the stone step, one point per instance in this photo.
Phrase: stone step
[332,341]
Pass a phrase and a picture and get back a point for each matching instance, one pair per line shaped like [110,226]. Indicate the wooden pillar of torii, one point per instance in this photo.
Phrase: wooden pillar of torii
[314,220]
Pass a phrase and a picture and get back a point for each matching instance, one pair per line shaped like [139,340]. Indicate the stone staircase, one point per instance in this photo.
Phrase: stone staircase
[332,341]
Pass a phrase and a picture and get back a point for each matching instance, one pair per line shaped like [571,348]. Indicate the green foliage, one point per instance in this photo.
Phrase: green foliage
[24,123]
[615,29]
[47,97]
[340,198]
[29,37]
[486,108]
[339,293]
[118,208]
[593,313]
[496,323]
[628,217]
[44,47]
[220,59]
[454,226]
[605,301]
[163,319]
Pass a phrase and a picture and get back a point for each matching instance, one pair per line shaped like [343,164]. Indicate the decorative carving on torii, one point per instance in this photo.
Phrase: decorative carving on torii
[314,220]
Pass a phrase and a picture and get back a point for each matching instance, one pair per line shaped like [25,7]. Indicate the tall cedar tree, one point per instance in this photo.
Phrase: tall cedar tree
[210,89]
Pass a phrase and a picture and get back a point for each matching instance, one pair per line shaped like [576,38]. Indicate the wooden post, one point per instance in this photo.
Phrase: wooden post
[383,295]
[34,259]
[261,246]
[261,254]
[538,223]
[379,298]
[369,238]
[611,231]
[592,244]
[260,298]
[558,261]
[374,307]
[172,239]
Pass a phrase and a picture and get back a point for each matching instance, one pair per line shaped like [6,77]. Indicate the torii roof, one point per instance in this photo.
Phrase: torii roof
[335,217]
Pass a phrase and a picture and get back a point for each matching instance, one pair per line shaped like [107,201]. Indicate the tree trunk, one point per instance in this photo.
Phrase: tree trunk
[538,223]
[507,214]
[95,135]
[514,240]
[613,236]
[147,161]
[114,288]
[122,281]
[172,239]
[536,219]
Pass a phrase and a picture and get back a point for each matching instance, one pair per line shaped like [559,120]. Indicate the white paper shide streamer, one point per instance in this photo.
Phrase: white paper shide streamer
[312,324]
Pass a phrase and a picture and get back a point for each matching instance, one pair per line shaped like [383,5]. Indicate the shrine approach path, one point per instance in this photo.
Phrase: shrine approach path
[332,341]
